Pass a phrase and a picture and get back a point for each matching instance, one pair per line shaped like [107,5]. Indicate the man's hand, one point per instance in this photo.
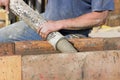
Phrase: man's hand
[5,3]
[49,27]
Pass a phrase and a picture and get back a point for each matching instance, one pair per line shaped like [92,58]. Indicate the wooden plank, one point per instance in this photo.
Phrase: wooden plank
[43,47]
[10,68]
[7,49]
[99,65]
[4,18]
[96,44]
[2,14]
[33,47]
[85,44]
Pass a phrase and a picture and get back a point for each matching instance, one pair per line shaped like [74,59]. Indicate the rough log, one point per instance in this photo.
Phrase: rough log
[34,47]
[43,47]
[85,44]
[7,48]
[99,65]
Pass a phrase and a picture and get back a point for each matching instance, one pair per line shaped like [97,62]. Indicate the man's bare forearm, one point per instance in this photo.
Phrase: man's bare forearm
[86,21]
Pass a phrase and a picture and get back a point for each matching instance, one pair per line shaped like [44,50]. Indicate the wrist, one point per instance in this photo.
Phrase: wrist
[65,24]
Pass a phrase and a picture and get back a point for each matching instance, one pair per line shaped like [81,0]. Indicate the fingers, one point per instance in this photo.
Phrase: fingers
[47,28]
[38,30]
[42,31]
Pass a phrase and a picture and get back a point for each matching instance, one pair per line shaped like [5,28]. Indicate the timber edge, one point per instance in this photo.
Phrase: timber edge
[43,47]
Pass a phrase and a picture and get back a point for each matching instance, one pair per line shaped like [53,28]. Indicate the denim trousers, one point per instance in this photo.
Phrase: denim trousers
[18,31]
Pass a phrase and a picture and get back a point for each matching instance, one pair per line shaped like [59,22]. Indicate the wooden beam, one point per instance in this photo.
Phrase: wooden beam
[96,44]
[97,65]
[85,44]
[4,18]
[2,14]
[10,68]
[43,47]
[34,47]
[7,48]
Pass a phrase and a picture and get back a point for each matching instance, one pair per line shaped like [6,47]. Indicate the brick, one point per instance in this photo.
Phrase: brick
[96,65]
[10,68]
